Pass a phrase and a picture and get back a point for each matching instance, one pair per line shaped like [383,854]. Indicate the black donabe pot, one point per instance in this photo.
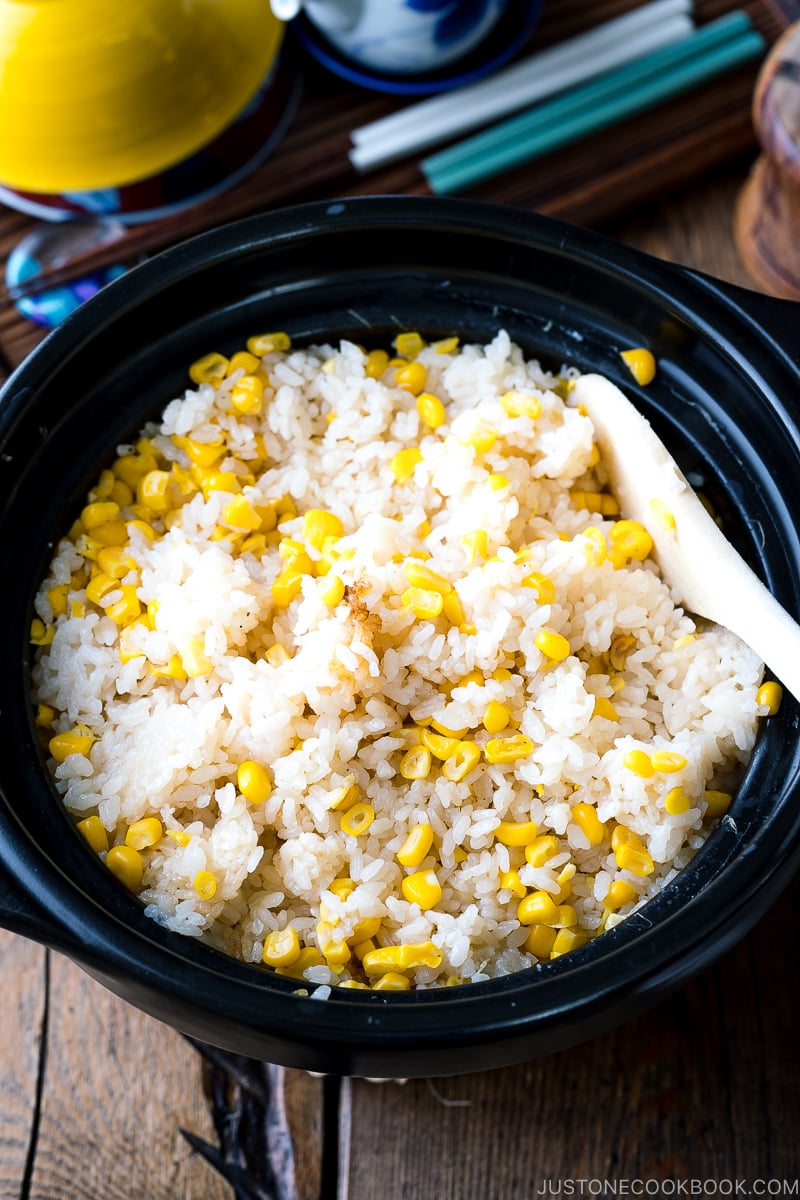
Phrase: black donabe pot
[726,398]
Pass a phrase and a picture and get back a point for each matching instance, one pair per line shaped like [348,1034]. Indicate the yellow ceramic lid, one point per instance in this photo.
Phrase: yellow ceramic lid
[100,93]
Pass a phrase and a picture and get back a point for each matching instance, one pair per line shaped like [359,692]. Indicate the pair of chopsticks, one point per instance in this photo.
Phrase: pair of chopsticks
[627,91]
[583,57]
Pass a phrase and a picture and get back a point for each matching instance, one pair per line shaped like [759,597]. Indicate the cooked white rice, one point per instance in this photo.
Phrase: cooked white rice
[356,685]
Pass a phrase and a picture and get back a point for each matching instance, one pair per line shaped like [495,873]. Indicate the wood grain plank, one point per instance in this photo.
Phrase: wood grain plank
[22,1015]
[118,1086]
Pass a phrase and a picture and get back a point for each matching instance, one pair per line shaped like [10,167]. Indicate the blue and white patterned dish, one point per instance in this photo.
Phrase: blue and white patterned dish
[509,35]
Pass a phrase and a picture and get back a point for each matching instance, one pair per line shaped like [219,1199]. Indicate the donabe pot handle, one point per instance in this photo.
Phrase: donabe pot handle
[20,914]
[778,319]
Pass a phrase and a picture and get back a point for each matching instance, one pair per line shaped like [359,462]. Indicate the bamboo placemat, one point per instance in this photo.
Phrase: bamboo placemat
[639,161]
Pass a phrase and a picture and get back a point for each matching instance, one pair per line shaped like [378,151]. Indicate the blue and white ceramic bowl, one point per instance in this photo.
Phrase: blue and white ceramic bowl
[403,37]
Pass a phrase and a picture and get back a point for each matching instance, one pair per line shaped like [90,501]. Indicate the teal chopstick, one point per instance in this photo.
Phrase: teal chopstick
[712,49]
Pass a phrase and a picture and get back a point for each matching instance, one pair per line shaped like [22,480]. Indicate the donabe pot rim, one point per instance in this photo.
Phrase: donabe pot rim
[729,884]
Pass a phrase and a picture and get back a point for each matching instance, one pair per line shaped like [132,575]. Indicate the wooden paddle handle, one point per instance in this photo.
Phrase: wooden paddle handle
[767,219]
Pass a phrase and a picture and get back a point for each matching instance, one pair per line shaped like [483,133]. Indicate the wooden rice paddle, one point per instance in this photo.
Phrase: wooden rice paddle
[695,557]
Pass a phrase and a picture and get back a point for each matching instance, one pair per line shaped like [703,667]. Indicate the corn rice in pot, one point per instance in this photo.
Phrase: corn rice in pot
[352,667]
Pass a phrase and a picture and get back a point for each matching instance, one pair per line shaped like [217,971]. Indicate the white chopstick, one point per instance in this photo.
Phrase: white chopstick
[445,116]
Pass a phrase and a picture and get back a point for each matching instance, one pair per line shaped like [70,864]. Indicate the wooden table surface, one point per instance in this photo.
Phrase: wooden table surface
[699,1097]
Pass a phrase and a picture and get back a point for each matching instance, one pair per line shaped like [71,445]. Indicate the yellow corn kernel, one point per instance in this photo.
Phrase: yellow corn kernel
[411,377]
[78,740]
[130,468]
[631,858]
[629,540]
[144,528]
[516,833]
[243,360]
[146,832]
[498,482]
[98,513]
[179,836]
[357,820]
[126,863]
[620,892]
[476,544]
[203,454]
[640,363]
[100,585]
[661,514]
[247,395]
[253,782]
[464,759]
[453,610]
[407,957]
[543,586]
[267,343]
[640,763]
[537,908]
[281,947]
[376,364]
[445,345]
[211,368]
[420,576]
[94,831]
[392,981]
[115,561]
[45,715]
[331,590]
[667,762]
[240,514]
[112,533]
[604,708]
[553,645]
[541,849]
[153,491]
[586,818]
[286,587]
[334,949]
[496,717]
[41,634]
[409,344]
[319,525]
[594,549]
[58,599]
[481,438]
[511,882]
[277,655]
[623,836]
[518,404]
[769,696]
[416,763]
[564,881]
[440,745]
[363,932]
[205,884]
[567,940]
[422,888]
[676,801]
[173,670]
[540,941]
[127,608]
[308,957]
[403,463]
[431,410]
[194,659]
[508,749]
[425,604]
[717,803]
